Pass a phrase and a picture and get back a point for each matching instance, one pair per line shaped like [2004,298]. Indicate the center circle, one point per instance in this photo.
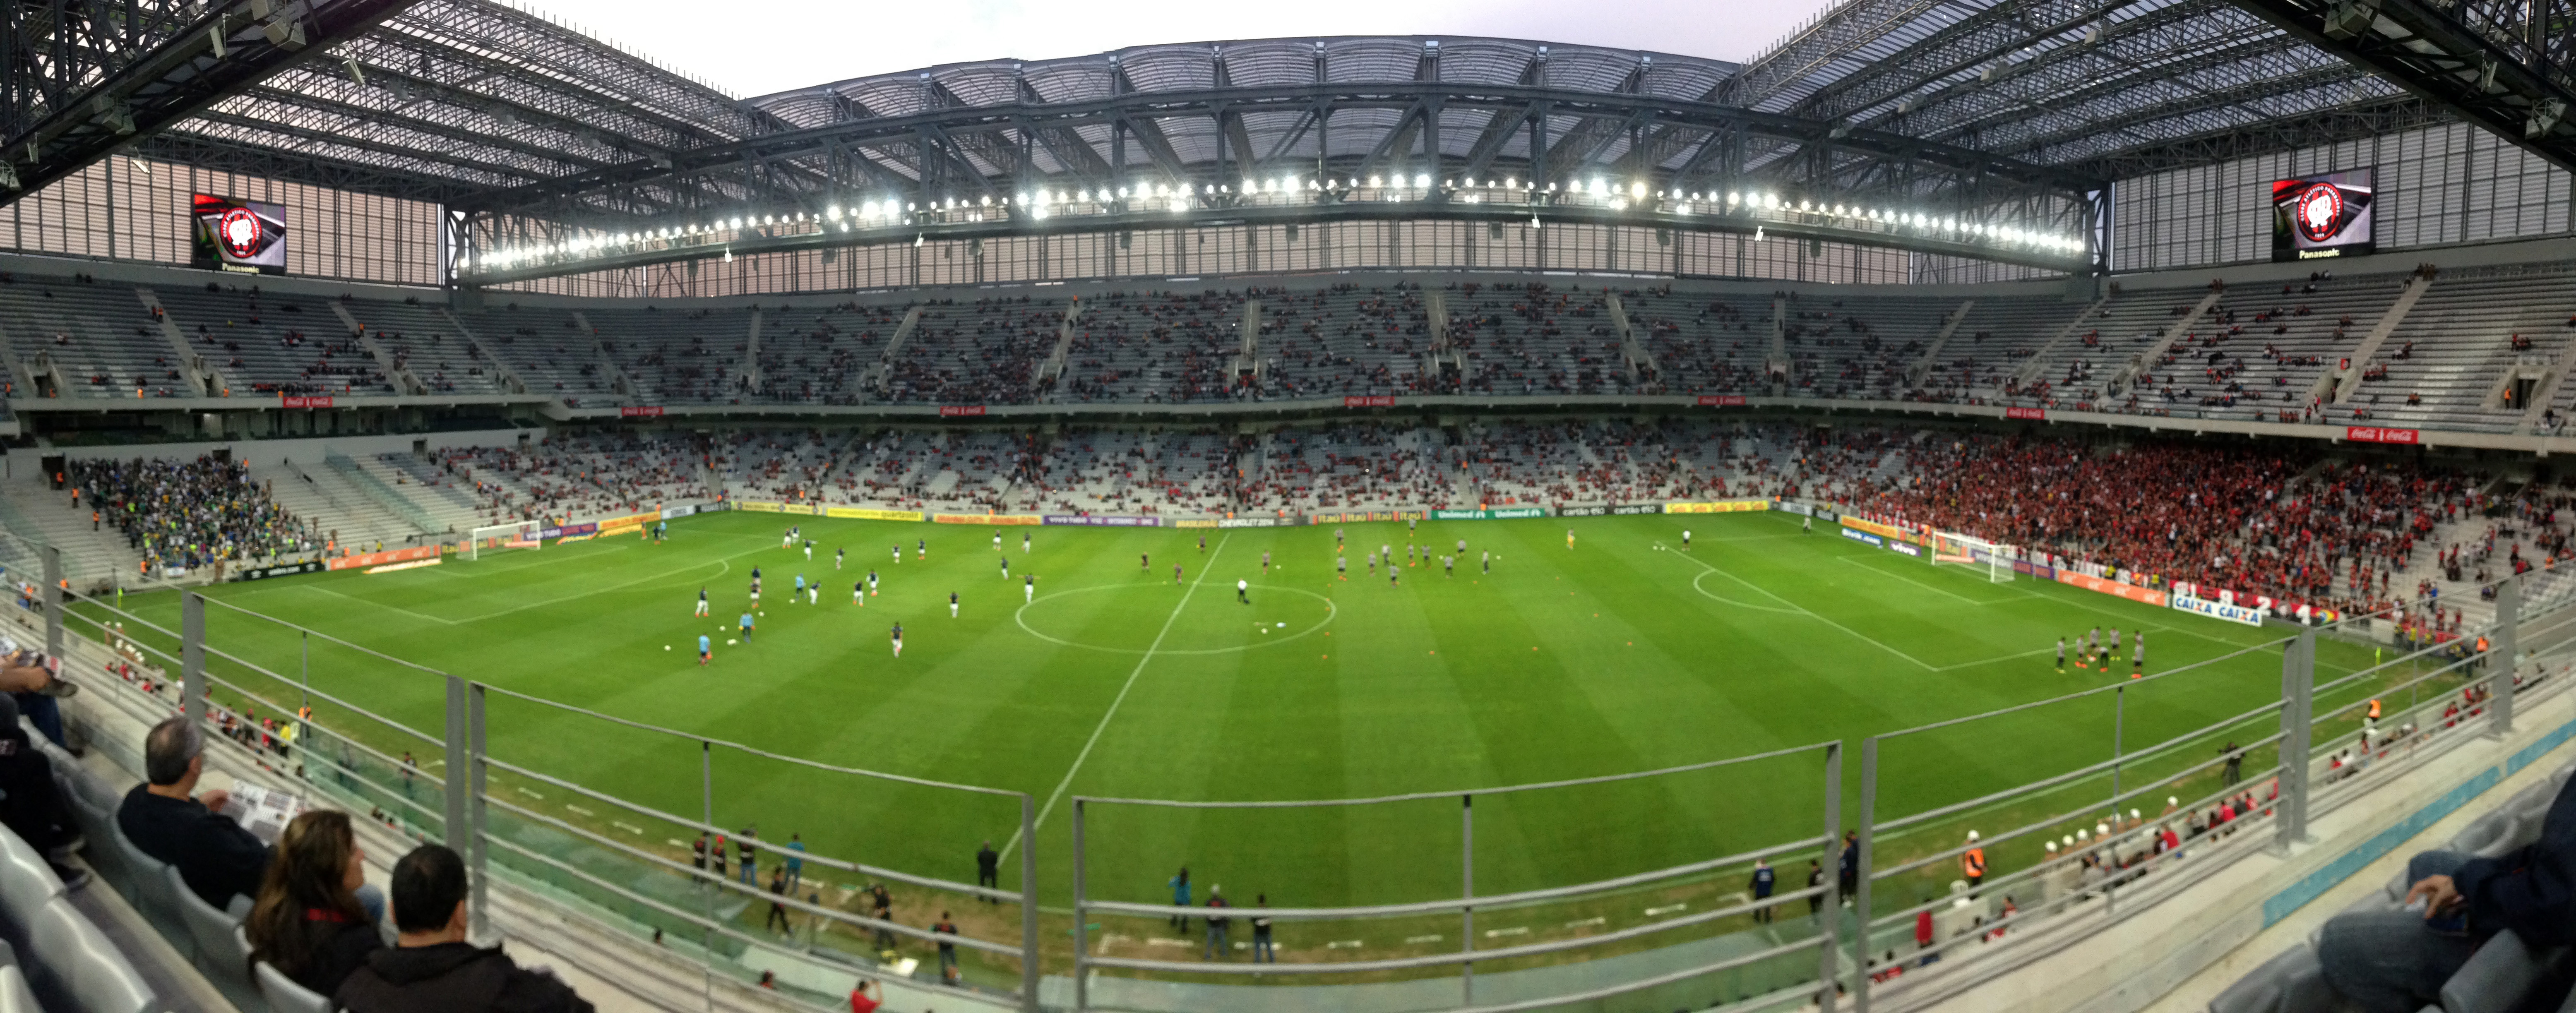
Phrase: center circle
[1161,623]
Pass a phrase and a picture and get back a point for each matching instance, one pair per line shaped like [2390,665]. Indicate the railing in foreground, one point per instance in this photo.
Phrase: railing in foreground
[2067,839]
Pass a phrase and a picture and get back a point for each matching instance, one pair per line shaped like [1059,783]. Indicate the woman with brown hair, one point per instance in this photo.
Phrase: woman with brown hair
[308,921]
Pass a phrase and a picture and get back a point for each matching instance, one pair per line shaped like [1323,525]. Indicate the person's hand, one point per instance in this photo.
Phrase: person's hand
[214,798]
[2439,895]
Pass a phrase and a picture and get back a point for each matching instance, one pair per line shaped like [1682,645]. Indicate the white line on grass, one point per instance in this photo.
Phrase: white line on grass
[727,563]
[1857,561]
[1103,726]
[1811,614]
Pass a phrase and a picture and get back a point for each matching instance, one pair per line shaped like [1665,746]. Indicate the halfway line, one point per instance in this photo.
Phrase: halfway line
[1103,726]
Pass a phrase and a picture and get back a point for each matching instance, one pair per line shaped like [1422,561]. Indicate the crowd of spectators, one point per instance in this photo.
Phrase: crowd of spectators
[187,514]
[983,352]
[1159,347]
[578,476]
[2286,525]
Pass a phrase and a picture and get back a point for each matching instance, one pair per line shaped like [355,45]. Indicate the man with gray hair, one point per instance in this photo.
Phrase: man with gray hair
[168,819]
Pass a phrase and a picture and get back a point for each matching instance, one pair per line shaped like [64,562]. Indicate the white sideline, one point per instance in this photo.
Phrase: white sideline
[1204,567]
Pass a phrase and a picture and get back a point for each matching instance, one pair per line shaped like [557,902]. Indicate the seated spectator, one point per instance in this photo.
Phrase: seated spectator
[30,805]
[432,968]
[167,819]
[2397,960]
[309,922]
[28,678]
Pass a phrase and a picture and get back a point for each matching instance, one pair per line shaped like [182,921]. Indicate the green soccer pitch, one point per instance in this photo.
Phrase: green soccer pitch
[1619,653]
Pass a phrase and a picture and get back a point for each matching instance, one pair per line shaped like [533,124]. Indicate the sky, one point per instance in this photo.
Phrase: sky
[756,47]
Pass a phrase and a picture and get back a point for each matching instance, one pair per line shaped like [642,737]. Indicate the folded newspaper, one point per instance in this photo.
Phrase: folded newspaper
[262,811]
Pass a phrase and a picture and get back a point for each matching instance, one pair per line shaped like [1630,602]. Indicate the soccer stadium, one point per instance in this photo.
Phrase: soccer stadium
[2035,505]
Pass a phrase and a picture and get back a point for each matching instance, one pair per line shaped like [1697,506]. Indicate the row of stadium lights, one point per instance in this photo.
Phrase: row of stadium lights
[1042,204]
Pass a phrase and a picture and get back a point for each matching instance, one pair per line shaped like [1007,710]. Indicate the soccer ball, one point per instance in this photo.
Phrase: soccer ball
[666,647]
[729,642]
[1283,626]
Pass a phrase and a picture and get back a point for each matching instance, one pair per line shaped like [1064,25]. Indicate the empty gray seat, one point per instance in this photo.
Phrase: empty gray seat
[285,996]
[2481,832]
[26,881]
[2531,801]
[2500,975]
[103,856]
[216,934]
[15,996]
[71,957]
[2264,989]
[143,876]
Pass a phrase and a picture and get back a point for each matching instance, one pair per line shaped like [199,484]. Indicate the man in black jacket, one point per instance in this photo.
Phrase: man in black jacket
[168,819]
[432,969]
[30,804]
[2397,960]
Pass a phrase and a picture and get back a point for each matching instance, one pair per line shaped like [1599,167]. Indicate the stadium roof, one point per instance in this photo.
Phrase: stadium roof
[1966,102]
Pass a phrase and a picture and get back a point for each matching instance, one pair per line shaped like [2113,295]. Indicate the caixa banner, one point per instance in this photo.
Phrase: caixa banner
[2214,610]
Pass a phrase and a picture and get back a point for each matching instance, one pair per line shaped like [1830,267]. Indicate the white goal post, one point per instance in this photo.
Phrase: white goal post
[521,535]
[1950,548]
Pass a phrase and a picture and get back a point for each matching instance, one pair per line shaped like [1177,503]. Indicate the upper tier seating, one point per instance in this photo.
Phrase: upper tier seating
[269,343]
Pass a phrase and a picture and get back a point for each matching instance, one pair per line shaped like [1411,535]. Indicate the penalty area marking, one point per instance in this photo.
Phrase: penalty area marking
[1797,609]
[1021,617]
[1881,571]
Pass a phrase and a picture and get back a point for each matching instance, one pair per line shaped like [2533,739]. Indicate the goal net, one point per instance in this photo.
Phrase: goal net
[522,535]
[1949,548]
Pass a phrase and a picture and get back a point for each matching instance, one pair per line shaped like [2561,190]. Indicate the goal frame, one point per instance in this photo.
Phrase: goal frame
[1950,548]
[519,535]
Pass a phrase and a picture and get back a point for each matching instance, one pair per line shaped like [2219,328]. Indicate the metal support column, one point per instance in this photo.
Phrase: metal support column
[2298,706]
[706,883]
[192,656]
[2503,656]
[477,858]
[1829,916]
[1860,862]
[304,671]
[1029,967]
[460,827]
[1081,950]
[1467,915]
[2119,724]
[54,602]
